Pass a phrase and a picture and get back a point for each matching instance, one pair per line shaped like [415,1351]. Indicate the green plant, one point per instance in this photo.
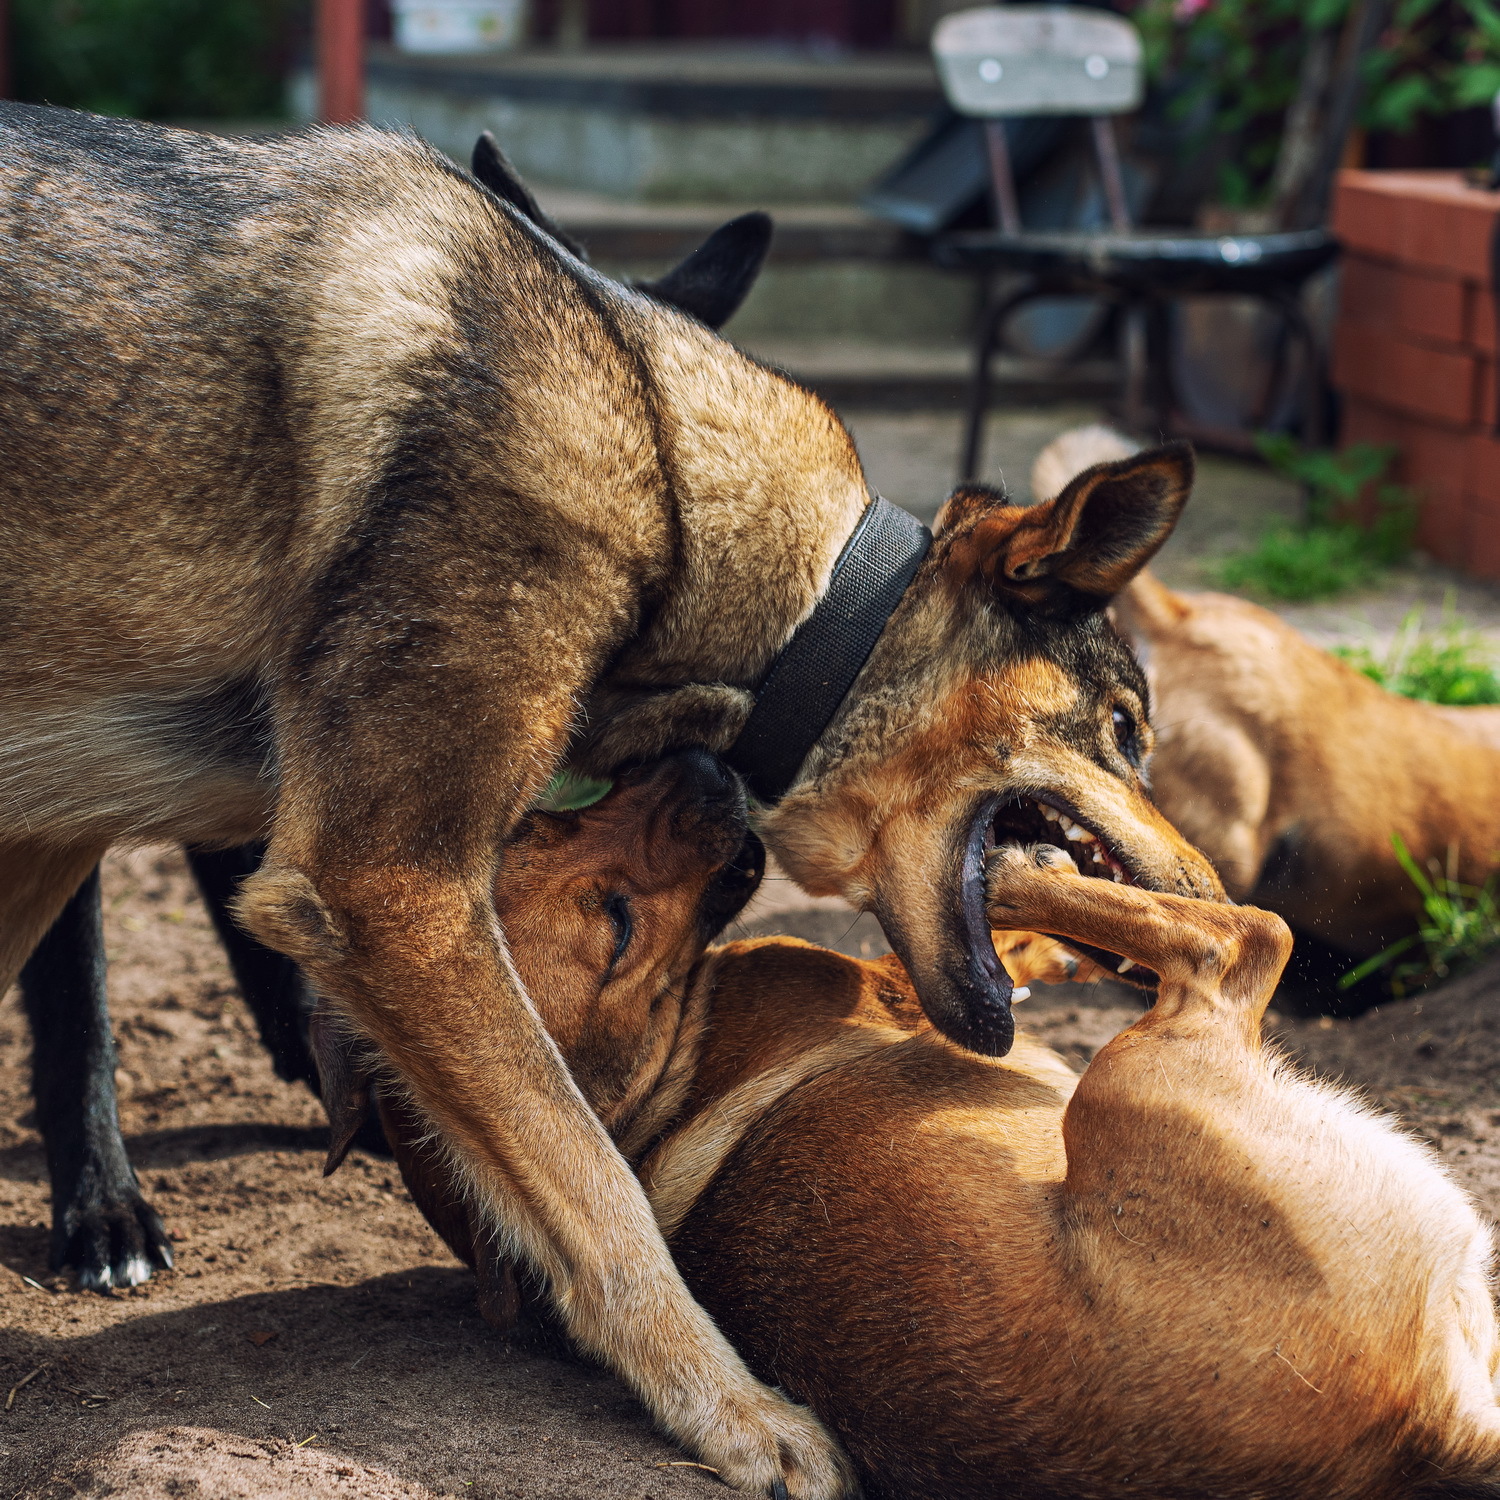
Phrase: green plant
[1329,551]
[1460,925]
[1452,664]
[1301,563]
[153,58]
[569,792]
[1231,69]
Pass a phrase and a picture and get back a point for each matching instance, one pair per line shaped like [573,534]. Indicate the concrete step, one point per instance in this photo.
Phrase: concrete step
[623,230]
[833,271]
[674,122]
[849,372]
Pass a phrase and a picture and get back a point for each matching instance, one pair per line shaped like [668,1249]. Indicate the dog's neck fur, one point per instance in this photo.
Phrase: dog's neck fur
[741,1050]
[759,528]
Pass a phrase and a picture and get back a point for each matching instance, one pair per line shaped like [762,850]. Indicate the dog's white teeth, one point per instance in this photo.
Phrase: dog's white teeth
[1051,814]
[1078,835]
[1126,965]
[1118,878]
[1098,857]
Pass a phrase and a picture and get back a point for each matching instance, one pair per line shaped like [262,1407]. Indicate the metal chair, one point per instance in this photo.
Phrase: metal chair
[1024,60]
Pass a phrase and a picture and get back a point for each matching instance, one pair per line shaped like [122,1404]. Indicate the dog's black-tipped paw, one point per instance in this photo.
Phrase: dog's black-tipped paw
[110,1245]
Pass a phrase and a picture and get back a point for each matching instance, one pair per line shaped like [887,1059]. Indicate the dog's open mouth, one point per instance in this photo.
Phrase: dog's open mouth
[1041,819]
[1031,820]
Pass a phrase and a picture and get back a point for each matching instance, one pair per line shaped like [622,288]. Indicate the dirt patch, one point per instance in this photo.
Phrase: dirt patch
[316,1339]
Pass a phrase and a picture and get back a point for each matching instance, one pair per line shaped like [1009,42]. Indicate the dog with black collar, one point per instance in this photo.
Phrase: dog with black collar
[343,506]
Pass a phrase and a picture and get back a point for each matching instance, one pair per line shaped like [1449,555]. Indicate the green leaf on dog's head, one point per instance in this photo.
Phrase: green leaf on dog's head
[567,792]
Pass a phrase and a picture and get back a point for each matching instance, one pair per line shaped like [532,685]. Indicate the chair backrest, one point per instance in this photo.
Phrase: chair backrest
[1038,60]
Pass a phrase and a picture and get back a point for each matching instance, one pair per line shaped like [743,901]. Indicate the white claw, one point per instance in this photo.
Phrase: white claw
[1024,993]
[1126,965]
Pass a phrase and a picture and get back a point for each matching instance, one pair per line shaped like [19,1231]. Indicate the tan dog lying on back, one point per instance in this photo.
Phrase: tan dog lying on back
[1288,768]
[1191,1273]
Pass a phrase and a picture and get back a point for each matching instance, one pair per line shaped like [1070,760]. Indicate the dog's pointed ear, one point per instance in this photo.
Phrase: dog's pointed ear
[344,1081]
[1105,526]
[497,172]
[716,278]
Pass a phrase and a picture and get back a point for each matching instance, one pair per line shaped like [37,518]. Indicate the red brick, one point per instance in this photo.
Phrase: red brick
[1484,392]
[1483,548]
[1482,469]
[1430,307]
[1429,219]
[1394,372]
[1365,422]
[1434,459]
[1367,291]
[1364,217]
[1444,526]
[1480,318]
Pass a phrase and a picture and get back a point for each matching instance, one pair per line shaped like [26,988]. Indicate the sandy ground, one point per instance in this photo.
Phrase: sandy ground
[315,1338]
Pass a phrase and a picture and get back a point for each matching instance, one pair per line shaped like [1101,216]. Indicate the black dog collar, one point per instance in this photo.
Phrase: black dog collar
[800,694]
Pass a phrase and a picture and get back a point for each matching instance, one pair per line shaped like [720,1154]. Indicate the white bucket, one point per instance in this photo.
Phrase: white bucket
[458,25]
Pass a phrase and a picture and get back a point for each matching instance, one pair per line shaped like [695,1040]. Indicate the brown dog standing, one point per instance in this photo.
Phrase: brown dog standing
[341,504]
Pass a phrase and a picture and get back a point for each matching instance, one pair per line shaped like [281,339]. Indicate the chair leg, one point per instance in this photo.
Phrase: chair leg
[1314,418]
[1134,364]
[1159,365]
[991,324]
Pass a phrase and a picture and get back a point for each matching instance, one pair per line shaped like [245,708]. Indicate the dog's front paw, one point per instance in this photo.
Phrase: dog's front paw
[110,1241]
[1016,875]
[769,1446]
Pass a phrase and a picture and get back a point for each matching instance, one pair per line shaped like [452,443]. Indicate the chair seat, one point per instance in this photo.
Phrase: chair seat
[1144,260]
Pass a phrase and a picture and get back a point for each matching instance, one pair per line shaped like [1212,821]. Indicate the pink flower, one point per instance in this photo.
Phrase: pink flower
[1185,10]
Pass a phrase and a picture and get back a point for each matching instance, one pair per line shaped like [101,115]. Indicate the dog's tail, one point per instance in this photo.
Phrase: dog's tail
[1077,449]
[1146,608]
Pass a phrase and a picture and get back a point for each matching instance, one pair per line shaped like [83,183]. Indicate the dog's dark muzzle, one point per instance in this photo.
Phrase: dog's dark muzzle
[963,986]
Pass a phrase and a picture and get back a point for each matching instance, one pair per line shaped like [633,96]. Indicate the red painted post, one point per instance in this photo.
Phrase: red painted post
[341,61]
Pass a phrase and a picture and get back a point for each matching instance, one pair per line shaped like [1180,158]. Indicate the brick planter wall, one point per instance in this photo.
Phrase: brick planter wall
[1414,348]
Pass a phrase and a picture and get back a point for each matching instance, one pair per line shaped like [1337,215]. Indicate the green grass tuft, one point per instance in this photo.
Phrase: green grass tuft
[1328,553]
[1452,665]
[1460,925]
[1291,563]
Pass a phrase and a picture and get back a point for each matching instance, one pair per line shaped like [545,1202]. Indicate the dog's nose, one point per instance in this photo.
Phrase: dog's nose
[703,776]
[708,801]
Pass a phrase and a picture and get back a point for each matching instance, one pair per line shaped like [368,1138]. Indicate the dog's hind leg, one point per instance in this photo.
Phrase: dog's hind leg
[36,880]
[102,1228]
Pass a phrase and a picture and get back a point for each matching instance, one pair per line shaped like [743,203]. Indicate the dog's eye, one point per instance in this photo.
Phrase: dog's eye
[1125,734]
[617,908]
